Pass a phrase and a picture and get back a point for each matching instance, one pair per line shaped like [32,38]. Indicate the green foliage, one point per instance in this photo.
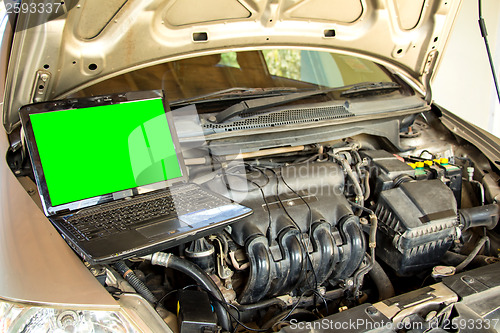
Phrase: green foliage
[285,63]
[229,59]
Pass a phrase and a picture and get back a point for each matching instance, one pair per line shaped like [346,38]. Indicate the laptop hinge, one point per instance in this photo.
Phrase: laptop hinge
[62,212]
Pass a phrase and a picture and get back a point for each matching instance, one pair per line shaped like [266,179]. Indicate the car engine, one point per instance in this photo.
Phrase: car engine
[335,225]
[303,234]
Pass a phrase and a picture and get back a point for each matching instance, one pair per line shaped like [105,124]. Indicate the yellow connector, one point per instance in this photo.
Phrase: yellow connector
[443,161]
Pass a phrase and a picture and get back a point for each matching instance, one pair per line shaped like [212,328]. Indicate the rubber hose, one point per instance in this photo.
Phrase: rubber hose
[482,216]
[372,239]
[200,276]
[350,174]
[454,259]
[262,304]
[472,255]
[367,184]
[304,302]
[134,281]
[384,285]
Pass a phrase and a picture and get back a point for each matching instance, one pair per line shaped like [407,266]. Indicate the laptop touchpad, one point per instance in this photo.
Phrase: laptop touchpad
[162,228]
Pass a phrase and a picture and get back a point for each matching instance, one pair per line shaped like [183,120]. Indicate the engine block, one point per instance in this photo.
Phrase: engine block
[303,230]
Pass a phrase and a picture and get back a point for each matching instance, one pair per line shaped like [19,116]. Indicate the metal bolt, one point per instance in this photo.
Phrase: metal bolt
[44,77]
[468,279]
[470,172]
[406,322]
[212,119]
[371,310]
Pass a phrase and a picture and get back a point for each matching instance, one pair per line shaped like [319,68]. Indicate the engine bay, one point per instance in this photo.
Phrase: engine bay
[336,226]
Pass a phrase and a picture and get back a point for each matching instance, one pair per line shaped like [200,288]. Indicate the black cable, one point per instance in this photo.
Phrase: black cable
[323,298]
[428,152]
[484,34]
[466,159]
[173,291]
[224,180]
[238,321]
[225,305]
[309,227]
[301,198]
[164,297]
[292,309]
[367,210]
[269,225]
[258,186]
[303,242]
[271,324]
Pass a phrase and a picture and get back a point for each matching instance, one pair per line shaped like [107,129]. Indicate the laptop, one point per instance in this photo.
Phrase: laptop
[112,179]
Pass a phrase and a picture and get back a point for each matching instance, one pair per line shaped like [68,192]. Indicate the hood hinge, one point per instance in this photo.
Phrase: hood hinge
[430,63]
[40,86]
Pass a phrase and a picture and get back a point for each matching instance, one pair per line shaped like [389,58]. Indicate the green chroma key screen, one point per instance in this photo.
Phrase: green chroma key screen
[98,150]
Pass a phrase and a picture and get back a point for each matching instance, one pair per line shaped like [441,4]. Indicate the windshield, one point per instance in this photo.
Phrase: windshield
[275,68]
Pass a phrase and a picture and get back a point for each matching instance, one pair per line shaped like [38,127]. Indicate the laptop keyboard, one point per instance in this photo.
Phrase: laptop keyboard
[128,214]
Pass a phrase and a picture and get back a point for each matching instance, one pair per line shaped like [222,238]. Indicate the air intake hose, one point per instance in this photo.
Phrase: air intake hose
[481,216]
[196,273]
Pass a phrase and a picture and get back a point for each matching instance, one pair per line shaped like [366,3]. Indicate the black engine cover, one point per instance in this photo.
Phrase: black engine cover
[417,225]
[302,231]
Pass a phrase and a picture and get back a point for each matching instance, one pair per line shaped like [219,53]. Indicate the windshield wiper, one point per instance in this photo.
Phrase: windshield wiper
[235,91]
[257,104]
[251,105]
[370,87]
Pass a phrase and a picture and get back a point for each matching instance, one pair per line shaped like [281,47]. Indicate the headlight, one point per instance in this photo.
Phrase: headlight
[17,317]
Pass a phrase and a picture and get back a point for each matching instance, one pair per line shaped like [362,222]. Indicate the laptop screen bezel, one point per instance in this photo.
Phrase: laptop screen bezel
[95,101]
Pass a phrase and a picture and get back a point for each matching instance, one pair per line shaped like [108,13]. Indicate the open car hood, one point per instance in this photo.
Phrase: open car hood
[86,42]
